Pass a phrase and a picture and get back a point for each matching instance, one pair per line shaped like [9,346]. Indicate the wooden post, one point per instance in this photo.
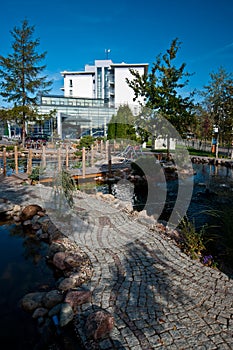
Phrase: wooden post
[16,160]
[4,161]
[106,149]
[43,156]
[84,162]
[92,155]
[59,158]
[109,160]
[67,158]
[29,167]
[101,146]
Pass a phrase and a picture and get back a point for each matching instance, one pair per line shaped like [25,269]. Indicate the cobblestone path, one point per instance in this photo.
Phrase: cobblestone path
[160,298]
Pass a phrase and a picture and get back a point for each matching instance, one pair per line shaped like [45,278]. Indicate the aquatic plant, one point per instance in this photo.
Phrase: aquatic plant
[192,240]
[219,237]
[64,189]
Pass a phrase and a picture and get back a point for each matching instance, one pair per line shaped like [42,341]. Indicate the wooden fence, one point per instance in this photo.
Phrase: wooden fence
[63,157]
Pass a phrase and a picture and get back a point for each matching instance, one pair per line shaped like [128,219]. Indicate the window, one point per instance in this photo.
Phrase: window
[71,92]
[71,83]
[106,79]
[99,82]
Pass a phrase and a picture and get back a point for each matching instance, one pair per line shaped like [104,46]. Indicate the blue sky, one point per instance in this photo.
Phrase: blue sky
[75,33]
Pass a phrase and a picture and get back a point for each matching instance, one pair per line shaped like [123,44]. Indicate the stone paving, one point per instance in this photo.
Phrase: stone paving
[159,297]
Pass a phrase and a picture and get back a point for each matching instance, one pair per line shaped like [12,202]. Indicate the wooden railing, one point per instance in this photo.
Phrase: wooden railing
[63,156]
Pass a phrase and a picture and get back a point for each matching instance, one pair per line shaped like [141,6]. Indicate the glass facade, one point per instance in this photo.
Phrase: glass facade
[73,101]
[77,114]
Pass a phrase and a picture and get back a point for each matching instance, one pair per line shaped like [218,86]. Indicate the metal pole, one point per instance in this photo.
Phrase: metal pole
[216,153]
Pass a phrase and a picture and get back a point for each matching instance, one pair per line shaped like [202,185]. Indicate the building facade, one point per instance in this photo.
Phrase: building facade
[104,80]
[92,97]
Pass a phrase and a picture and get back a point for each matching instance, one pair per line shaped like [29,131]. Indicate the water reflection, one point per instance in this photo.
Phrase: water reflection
[20,273]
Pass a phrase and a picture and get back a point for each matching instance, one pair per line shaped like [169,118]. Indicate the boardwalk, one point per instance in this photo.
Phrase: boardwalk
[158,296]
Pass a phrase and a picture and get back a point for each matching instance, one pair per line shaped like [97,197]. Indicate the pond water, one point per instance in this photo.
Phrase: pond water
[213,190]
[22,270]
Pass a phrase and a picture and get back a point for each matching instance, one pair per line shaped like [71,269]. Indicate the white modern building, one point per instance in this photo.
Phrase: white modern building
[105,80]
[91,97]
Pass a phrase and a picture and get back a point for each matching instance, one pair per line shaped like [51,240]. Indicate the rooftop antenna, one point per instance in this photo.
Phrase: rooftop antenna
[107,51]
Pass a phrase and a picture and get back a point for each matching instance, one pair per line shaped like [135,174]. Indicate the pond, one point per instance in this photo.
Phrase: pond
[22,270]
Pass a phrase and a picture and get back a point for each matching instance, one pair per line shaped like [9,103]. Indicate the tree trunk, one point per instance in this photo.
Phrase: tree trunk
[23,134]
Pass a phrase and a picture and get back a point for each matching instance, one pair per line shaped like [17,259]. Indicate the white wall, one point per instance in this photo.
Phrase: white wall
[123,93]
[82,85]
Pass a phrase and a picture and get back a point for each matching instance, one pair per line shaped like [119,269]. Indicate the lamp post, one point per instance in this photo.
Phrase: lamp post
[216,132]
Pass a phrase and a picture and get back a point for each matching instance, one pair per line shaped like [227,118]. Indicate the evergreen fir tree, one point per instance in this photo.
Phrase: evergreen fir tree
[22,80]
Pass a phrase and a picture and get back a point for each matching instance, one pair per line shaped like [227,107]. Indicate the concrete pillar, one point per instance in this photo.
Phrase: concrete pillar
[59,124]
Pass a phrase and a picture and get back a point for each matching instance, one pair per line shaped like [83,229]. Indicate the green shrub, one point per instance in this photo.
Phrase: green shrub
[35,174]
[86,141]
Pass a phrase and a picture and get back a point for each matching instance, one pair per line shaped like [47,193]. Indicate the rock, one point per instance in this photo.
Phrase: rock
[27,223]
[36,227]
[41,213]
[3,200]
[29,211]
[74,260]
[51,228]
[5,207]
[66,284]
[78,277]
[142,213]
[99,324]
[79,297]
[55,310]
[16,218]
[32,301]
[84,273]
[16,208]
[66,314]
[54,248]
[43,219]
[58,260]
[52,298]
[128,207]
[40,312]
[42,235]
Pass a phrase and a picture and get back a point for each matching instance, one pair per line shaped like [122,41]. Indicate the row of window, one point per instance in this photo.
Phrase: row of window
[78,102]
